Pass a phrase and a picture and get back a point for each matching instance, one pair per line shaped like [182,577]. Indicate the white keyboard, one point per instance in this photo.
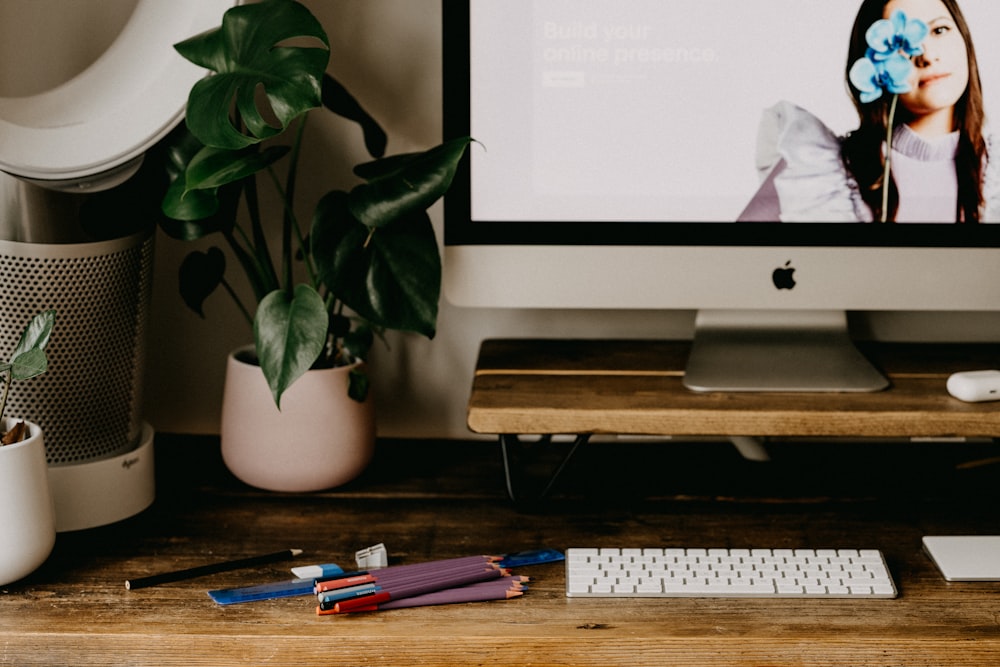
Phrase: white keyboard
[798,573]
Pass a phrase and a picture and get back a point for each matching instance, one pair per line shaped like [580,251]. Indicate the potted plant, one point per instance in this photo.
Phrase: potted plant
[27,517]
[368,260]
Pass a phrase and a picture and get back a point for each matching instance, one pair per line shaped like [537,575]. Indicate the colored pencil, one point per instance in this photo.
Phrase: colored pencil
[212,568]
[328,599]
[397,578]
[353,580]
[436,582]
[411,588]
[416,572]
[443,564]
[452,596]
[501,589]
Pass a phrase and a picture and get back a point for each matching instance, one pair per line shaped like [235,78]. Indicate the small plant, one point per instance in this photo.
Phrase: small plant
[27,361]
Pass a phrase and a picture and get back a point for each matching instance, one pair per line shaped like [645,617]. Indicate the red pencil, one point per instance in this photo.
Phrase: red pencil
[343,582]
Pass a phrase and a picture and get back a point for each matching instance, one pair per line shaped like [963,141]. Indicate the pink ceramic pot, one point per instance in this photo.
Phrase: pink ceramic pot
[321,438]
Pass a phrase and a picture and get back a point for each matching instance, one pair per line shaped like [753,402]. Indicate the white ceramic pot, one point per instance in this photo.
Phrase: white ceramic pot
[321,438]
[27,514]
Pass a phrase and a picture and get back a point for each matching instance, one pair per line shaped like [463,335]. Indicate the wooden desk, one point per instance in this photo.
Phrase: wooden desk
[635,387]
[428,500]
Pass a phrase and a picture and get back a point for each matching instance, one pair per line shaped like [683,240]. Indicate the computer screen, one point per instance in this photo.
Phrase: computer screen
[691,154]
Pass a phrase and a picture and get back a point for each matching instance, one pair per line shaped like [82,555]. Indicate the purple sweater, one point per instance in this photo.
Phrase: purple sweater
[924,172]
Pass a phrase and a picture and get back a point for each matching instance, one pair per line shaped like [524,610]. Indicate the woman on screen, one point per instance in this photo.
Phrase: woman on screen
[939,168]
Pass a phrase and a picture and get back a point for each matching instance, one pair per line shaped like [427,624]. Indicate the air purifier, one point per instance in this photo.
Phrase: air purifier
[56,149]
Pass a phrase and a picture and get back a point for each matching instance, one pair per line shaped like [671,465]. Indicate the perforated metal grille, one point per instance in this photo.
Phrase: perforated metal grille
[88,402]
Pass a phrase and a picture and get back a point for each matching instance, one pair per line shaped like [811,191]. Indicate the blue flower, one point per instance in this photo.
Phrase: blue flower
[886,65]
[887,37]
[871,77]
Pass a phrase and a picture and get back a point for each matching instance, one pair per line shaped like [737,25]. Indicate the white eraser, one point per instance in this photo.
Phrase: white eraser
[975,386]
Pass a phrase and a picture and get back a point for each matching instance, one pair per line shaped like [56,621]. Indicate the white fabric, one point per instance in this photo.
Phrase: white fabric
[799,157]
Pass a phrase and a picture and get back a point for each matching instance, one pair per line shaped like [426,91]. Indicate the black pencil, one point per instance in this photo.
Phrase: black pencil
[212,568]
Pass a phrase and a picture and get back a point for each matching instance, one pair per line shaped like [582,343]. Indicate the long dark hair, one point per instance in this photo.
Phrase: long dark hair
[862,149]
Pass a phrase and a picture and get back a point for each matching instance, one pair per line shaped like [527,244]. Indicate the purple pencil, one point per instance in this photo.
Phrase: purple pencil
[414,570]
[404,577]
[490,590]
[443,564]
[454,596]
[496,589]
[435,566]
[409,589]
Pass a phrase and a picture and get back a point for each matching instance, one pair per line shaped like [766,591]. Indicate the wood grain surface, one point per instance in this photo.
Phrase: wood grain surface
[427,500]
[635,387]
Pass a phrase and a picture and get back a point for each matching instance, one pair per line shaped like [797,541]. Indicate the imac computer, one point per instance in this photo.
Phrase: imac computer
[688,154]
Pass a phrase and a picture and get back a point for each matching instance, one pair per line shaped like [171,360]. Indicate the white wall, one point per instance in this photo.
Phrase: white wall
[388,54]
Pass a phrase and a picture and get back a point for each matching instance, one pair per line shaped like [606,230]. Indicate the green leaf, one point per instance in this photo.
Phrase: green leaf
[358,385]
[177,149]
[212,167]
[191,214]
[28,359]
[394,282]
[249,55]
[36,335]
[359,341]
[181,205]
[290,334]
[401,186]
[29,364]
[199,275]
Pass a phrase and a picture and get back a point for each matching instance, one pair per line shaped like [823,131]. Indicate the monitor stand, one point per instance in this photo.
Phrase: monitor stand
[790,350]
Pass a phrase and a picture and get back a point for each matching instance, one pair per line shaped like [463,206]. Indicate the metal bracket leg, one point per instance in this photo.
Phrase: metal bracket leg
[517,454]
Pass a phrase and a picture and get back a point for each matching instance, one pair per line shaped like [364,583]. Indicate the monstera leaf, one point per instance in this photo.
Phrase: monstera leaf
[401,185]
[392,278]
[246,57]
[375,246]
[289,333]
[196,197]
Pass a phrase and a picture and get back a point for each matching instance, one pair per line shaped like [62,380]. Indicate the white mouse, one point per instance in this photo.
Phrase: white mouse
[975,386]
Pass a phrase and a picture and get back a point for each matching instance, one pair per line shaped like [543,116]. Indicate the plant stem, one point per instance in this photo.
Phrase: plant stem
[8,376]
[255,272]
[290,221]
[888,158]
[236,299]
[293,226]
[260,247]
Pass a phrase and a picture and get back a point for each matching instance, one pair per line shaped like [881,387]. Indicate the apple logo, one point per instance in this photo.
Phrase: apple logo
[783,276]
